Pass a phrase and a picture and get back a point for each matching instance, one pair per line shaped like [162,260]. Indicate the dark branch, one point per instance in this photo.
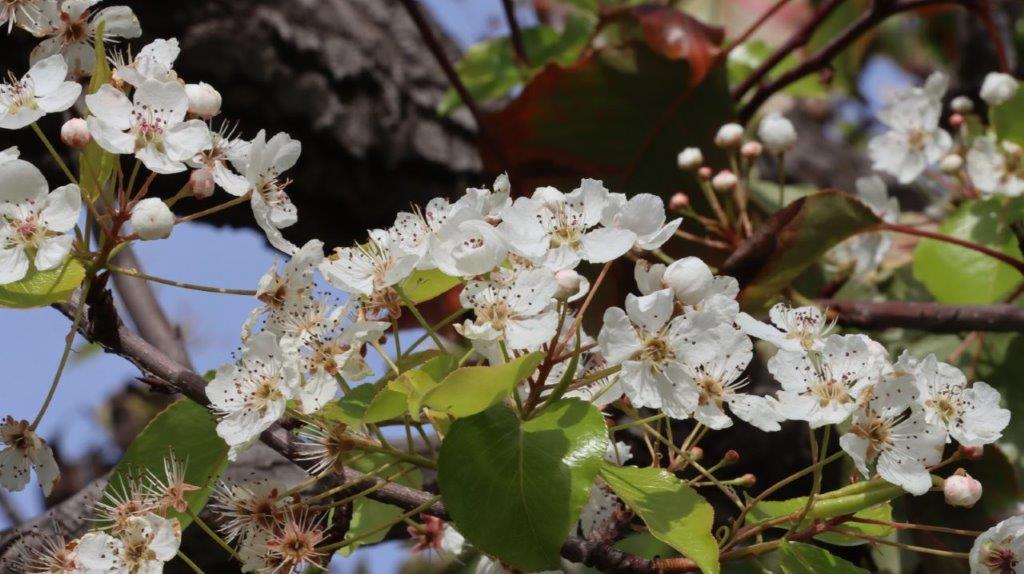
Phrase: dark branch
[931,317]
[515,32]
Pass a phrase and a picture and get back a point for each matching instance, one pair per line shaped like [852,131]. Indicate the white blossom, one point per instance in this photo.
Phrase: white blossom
[373,267]
[151,125]
[993,171]
[825,391]
[21,13]
[226,149]
[281,294]
[142,548]
[1000,549]
[271,206]
[707,299]
[914,139]
[251,394]
[713,360]
[889,431]
[155,61]
[203,100]
[71,26]
[42,90]
[971,414]
[863,253]
[559,230]
[799,329]
[647,344]
[643,215]
[516,306]
[34,223]
[998,88]
[603,503]
[22,451]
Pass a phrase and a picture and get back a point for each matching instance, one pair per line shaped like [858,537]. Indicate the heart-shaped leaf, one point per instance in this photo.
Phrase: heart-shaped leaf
[470,390]
[41,288]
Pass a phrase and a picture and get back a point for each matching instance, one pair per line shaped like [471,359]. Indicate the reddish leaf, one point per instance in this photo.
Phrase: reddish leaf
[677,35]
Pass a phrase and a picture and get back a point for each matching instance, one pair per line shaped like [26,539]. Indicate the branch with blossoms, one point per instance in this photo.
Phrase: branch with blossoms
[546,443]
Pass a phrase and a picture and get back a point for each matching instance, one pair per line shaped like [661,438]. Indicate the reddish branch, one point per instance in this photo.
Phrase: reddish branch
[931,317]
[878,12]
[515,32]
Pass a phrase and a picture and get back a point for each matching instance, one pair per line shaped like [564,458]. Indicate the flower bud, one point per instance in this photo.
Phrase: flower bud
[690,159]
[951,164]
[731,457]
[75,133]
[956,120]
[961,105]
[696,453]
[568,283]
[746,481]
[752,150]
[203,100]
[998,88]
[704,173]
[961,489]
[201,182]
[972,452]
[152,219]
[689,279]
[678,201]
[724,180]
[777,133]
[729,136]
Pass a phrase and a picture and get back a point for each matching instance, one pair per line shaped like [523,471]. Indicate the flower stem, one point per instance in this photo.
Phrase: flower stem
[216,537]
[195,567]
[53,152]
[419,317]
[68,342]
[179,284]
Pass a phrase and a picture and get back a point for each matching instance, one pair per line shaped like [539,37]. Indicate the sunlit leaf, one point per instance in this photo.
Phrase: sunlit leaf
[41,288]
[470,390]
[800,558]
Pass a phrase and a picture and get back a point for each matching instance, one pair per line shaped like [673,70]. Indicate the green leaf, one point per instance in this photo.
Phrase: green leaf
[749,55]
[187,430]
[370,515]
[770,509]
[1008,119]
[489,70]
[959,275]
[42,288]
[414,385]
[672,510]
[792,240]
[800,558]
[95,165]
[514,488]
[368,403]
[425,285]
[470,390]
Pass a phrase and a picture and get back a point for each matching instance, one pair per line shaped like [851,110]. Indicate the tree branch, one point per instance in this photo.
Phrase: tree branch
[515,32]
[931,317]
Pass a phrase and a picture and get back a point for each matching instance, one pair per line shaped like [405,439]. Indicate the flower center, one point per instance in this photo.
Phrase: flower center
[830,391]
[497,314]
[1000,559]
[656,350]
[266,394]
[711,390]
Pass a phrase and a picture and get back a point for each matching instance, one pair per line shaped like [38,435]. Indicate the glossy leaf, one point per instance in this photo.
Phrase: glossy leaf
[423,286]
[490,71]
[800,558]
[369,403]
[471,390]
[514,488]
[1008,119]
[620,114]
[672,510]
[370,516]
[792,240]
[188,431]
[42,288]
[958,275]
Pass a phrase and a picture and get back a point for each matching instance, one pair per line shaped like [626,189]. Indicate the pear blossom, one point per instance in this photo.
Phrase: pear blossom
[282,293]
[34,223]
[998,88]
[995,171]
[713,361]
[155,61]
[864,252]
[914,139]
[71,26]
[203,100]
[799,329]
[23,450]
[226,151]
[21,13]
[271,206]
[473,247]
[438,537]
[642,214]
[889,431]
[602,505]
[48,554]
[371,268]
[247,508]
[42,90]
[515,306]
[9,154]
[251,394]
[1000,549]
[707,299]
[143,547]
[558,230]
[825,391]
[151,125]
[970,414]
[648,343]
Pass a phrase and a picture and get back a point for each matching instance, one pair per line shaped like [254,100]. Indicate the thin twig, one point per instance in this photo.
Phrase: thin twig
[515,32]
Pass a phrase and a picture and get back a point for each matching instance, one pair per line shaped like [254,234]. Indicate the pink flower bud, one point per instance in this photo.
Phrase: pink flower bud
[956,120]
[696,453]
[752,150]
[200,181]
[747,480]
[729,136]
[724,180]
[731,457]
[75,133]
[679,201]
[961,489]
[704,173]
